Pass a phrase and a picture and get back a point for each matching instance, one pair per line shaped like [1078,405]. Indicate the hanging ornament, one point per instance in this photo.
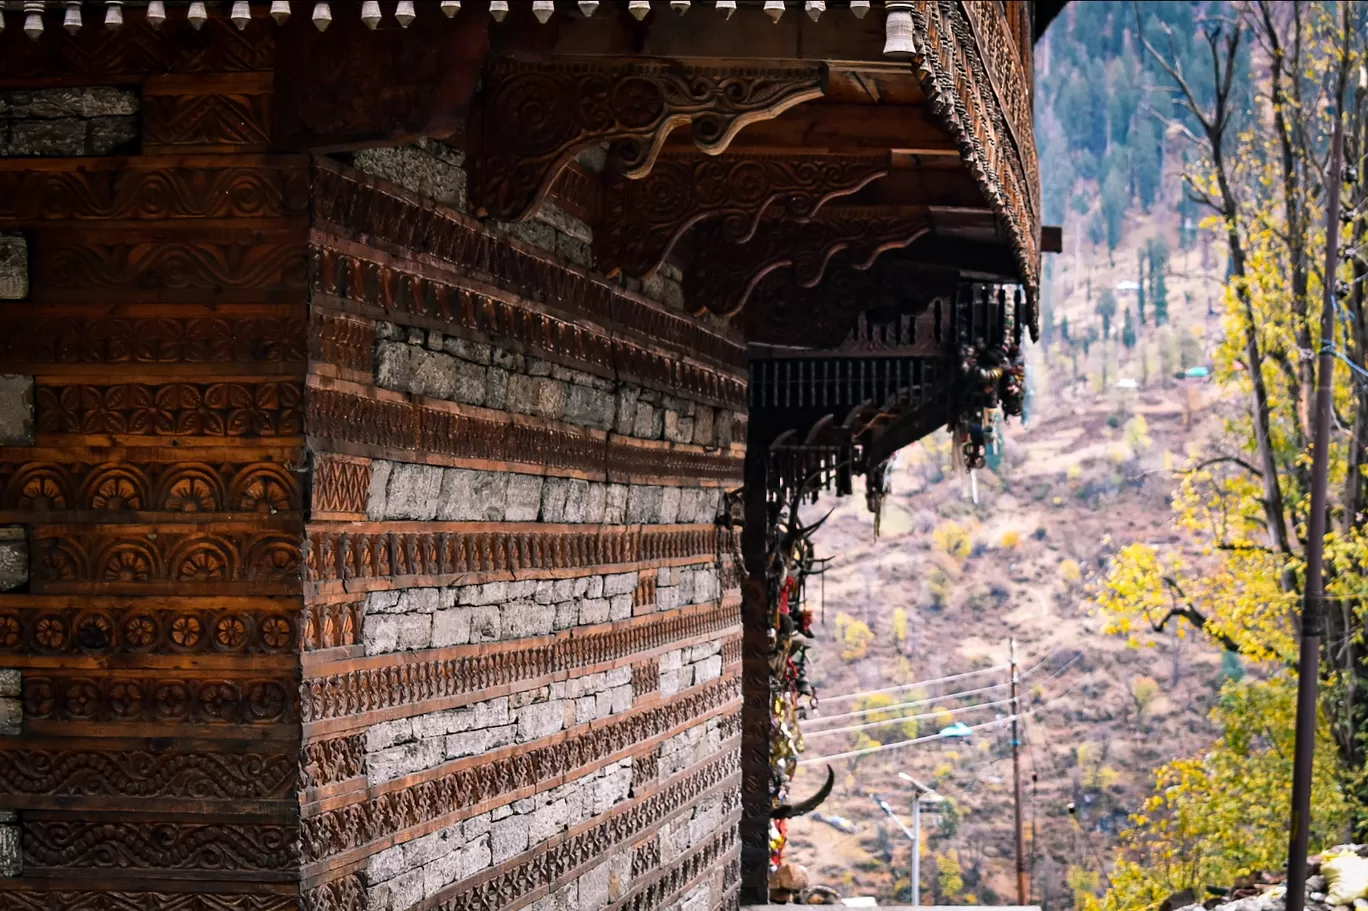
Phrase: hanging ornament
[370,13]
[280,11]
[241,14]
[815,8]
[726,8]
[197,15]
[860,8]
[322,15]
[404,13]
[543,9]
[639,8]
[156,13]
[72,20]
[33,21]
[588,7]
[498,9]
[774,9]
[451,7]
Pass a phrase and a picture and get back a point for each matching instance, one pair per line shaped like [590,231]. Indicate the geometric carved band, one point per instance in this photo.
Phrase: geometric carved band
[160,699]
[30,339]
[450,797]
[70,560]
[391,426]
[224,849]
[354,557]
[363,209]
[393,292]
[370,689]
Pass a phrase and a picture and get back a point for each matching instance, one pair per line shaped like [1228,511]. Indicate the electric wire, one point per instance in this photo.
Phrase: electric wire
[875,724]
[905,705]
[908,686]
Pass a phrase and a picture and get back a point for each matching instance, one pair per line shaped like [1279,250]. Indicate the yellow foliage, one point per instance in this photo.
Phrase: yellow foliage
[1075,472]
[951,874]
[1070,571]
[953,539]
[1011,540]
[1144,690]
[1137,435]
[856,637]
[900,624]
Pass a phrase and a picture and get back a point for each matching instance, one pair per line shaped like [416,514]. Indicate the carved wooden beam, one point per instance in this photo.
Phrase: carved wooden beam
[646,217]
[898,306]
[536,116]
[725,273]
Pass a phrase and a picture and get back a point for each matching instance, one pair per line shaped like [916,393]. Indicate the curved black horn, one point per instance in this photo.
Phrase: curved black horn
[788,811]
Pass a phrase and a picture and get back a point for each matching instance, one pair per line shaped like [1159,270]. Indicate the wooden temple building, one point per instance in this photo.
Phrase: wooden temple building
[401,402]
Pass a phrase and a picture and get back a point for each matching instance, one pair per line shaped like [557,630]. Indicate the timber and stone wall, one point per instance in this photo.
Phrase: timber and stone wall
[354,554]
[530,695]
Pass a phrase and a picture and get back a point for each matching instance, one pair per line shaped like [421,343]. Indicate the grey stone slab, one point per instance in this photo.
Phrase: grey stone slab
[14,266]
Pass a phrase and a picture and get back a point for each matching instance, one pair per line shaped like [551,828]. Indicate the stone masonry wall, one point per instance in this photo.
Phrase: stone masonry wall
[526,616]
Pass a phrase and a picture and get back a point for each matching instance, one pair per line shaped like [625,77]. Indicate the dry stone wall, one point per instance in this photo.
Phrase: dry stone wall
[524,617]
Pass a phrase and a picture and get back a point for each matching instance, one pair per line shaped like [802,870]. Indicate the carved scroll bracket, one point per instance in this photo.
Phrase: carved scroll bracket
[647,217]
[726,273]
[538,115]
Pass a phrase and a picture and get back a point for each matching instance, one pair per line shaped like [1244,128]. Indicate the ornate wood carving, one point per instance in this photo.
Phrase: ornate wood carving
[28,772]
[332,624]
[140,48]
[152,188]
[324,762]
[142,560]
[357,557]
[94,268]
[988,114]
[725,273]
[535,116]
[342,341]
[383,428]
[206,122]
[646,217]
[124,628]
[165,340]
[352,86]
[172,409]
[408,296]
[341,486]
[718,851]
[450,797]
[646,677]
[158,697]
[890,303]
[254,488]
[579,192]
[54,845]
[373,688]
[37,898]
[367,209]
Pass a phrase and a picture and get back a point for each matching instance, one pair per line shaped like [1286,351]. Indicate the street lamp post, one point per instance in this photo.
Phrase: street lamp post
[920,792]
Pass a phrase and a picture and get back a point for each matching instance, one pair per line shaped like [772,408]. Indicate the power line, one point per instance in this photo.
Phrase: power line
[906,705]
[875,724]
[908,686]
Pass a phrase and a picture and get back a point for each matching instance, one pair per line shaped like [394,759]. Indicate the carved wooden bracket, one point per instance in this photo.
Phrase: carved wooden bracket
[725,273]
[895,307]
[538,115]
[647,217]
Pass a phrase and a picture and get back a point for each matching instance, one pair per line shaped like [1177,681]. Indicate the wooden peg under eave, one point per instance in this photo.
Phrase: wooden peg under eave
[498,9]
[680,6]
[726,8]
[451,7]
[280,11]
[543,9]
[72,20]
[241,14]
[860,8]
[588,7]
[114,15]
[197,15]
[815,8]
[774,9]
[370,13]
[156,13]
[33,19]
[404,13]
[639,8]
[898,37]
[322,16]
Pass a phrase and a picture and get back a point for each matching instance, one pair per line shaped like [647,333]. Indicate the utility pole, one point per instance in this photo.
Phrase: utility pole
[1022,889]
[1313,601]
[920,792]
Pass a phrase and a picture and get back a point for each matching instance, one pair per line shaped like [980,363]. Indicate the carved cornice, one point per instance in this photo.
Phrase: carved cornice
[160,698]
[536,116]
[379,686]
[725,273]
[172,409]
[51,844]
[407,295]
[388,427]
[646,217]
[974,83]
[369,210]
[150,341]
[391,558]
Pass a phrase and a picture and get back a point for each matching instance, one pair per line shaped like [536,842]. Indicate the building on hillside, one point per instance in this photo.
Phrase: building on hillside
[397,395]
